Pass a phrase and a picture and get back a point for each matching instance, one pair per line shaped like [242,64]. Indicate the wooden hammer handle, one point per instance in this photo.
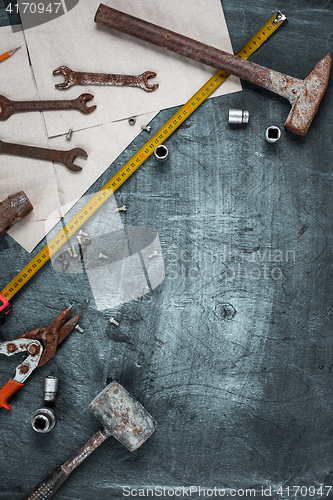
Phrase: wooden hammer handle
[49,486]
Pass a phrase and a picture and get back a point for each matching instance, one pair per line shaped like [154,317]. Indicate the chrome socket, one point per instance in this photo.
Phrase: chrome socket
[43,420]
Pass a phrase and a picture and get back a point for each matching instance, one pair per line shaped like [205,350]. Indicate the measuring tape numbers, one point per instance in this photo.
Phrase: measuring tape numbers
[131,166]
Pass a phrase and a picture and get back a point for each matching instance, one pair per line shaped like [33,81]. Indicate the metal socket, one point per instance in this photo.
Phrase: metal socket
[238,116]
[50,388]
[43,420]
[161,152]
[272,134]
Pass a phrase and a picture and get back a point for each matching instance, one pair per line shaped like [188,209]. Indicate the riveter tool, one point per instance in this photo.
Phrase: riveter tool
[40,345]
[122,417]
[303,95]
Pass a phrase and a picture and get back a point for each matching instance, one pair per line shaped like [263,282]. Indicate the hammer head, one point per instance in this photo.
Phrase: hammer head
[122,416]
[308,97]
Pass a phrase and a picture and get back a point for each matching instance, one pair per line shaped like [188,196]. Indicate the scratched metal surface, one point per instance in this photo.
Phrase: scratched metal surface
[231,355]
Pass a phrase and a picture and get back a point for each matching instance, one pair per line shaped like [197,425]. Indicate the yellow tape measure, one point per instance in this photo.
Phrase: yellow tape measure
[130,167]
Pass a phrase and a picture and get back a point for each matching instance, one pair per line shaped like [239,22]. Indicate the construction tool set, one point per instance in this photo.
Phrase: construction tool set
[121,415]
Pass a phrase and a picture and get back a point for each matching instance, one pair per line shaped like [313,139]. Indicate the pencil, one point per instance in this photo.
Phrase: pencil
[8,54]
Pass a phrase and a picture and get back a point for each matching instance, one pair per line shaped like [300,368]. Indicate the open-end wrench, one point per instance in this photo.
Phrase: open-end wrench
[9,107]
[64,157]
[80,78]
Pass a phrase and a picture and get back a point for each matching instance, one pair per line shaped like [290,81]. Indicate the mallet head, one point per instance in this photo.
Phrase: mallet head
[122,416]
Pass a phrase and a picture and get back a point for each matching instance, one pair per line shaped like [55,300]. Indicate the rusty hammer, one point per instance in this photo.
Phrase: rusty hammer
[303,95]
[122,417]
[15,207]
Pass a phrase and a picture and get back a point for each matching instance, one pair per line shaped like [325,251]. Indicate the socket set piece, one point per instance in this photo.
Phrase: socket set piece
[238,116]
[272,134]
[43,420]
[161,152]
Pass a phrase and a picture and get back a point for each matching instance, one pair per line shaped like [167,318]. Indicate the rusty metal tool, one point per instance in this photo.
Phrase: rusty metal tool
[64,157]
[81,78]
[15,207]
[303,95]
[122,417]
[9,108]
[40,345]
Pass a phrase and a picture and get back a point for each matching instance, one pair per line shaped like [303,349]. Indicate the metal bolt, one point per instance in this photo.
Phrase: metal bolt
[102,256]
[132,120]
[24,369]
[272,134]
[146,127]
[161,152]
[112,320]
[69,134]
[81,233]
[65,264]
[154,254]
[121,209]
[79,328]
[33,349]
[11,347]
[79,238]
[69,250]
[61,257]
[74,252]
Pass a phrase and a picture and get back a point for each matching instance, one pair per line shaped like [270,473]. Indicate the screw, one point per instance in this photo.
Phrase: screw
[65,264]
[61,257]
[121,209]
[79,328]
[154,254]
[146,127]
[74,252]
[81,233]
[69,134]
[79,239]
[102,256]
[69,250]
[24,369]
[112,320]
[132,120]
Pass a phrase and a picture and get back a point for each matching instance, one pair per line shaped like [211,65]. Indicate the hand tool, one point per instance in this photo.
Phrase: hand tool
[64,157]
[303,95]
[40,345]
[9,108]
[122,417]
[8,54]
[80,78]
[15,207]
[132,165]
[43,419]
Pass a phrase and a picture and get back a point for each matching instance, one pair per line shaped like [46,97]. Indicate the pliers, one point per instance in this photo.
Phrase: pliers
[40,345]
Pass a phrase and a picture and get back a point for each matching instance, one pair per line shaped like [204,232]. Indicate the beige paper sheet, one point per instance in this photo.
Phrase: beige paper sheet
[76,41]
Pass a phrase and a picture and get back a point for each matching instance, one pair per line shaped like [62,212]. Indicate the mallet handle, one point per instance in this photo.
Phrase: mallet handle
[51,483]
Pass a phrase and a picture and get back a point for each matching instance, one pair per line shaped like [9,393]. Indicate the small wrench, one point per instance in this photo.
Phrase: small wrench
[64,157]
[9,107]
[80,78]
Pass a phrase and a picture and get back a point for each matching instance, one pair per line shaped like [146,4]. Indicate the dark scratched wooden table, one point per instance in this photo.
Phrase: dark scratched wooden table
[233,353]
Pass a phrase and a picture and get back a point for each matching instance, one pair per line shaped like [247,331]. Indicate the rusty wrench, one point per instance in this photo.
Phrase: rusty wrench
[64,157]
[80,78]
[8,107]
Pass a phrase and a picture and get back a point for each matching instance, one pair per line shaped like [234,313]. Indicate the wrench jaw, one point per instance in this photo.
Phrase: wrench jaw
[69,77]
[70,157]
[6,111]
[81,103]
[144,81]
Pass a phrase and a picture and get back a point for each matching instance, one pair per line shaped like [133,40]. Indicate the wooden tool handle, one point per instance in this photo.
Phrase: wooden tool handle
[49,486]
